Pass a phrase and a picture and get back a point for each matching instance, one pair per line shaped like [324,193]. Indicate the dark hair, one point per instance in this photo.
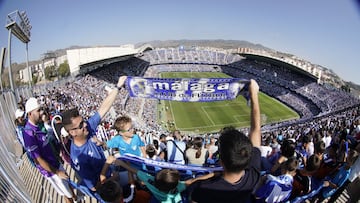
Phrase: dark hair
[162,136]
[319,147]
[306,139]
[150,150]
[288,148]
[235,149]
[68,115]
[18,123]
[167,180]
[291,164]
[313,163]
[110,191]
[267,141]
[197,144]
[156,144]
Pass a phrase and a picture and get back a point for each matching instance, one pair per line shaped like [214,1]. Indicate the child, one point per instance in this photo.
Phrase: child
[126,141]
[166,185]
[110,191]
[278,188]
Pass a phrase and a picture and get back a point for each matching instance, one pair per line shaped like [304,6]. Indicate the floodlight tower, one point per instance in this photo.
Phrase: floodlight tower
[18,24]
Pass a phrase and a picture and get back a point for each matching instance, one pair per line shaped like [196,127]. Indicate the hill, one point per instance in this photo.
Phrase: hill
[215,43]
[218,43]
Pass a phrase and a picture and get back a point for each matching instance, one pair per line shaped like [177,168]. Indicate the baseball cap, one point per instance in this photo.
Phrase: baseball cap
[31,104]
[19,113]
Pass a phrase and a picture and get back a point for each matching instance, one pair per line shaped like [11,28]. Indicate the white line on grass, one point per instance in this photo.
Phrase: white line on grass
[237,116]
[202,108]
[172,113]
[207,126]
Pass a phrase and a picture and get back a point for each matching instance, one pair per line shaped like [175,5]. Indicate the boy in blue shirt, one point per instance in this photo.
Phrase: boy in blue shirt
[126,141]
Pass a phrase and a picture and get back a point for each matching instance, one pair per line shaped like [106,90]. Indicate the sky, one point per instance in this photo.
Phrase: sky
[323,32]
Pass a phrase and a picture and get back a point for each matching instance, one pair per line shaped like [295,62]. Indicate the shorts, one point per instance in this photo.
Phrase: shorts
[61,185]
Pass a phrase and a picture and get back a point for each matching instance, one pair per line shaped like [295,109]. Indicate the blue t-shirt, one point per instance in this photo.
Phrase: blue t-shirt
[89,159]
[276,188]
[132,148]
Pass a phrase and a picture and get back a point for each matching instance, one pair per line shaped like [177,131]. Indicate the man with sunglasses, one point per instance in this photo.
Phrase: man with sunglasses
[87,156]
[39,144]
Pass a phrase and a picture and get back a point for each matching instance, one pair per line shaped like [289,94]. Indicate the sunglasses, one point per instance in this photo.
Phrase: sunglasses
[81,125]
[130,129]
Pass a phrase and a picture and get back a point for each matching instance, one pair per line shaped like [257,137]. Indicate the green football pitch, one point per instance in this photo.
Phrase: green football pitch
[204,117]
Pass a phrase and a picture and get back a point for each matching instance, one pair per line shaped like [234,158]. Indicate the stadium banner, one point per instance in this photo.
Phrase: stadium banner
[163,164]
[187,89]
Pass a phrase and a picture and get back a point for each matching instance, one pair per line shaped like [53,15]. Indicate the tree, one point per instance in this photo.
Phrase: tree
[50,72]
[346,88]
[35,79]
[64,69]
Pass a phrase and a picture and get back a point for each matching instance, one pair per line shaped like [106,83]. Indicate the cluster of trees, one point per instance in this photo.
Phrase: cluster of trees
[51,72]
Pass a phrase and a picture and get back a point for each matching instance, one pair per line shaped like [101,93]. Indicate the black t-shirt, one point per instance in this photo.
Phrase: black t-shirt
[216,189]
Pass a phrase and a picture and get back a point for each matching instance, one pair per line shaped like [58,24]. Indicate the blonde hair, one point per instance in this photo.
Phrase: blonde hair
[120,123]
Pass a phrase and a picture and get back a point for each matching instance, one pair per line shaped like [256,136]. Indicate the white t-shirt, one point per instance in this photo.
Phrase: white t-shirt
[327,141]
[265,151]
[172,149]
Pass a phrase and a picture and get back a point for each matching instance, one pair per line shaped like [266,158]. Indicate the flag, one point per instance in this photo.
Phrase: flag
[187,89]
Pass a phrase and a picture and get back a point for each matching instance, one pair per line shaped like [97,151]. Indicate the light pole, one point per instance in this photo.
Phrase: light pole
[18,24]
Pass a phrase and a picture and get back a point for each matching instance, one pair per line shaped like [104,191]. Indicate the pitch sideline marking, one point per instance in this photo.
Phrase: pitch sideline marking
[202,108]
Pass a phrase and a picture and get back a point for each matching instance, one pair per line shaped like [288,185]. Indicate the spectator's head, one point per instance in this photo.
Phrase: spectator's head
[150,150]
[290,166]
[163,138]
[45,117]
[19,114]
[156,144]
[197,144]
[306,140]
[177,135]
[288,148]
[124,126]
[319,148]
[110,191]
[235,150]
[32,108]
[267,141]
[74,124]
[167,180]
[213,140]
[313,163]
[19,117]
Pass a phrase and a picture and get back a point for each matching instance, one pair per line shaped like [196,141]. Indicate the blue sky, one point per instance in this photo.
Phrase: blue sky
[324,32]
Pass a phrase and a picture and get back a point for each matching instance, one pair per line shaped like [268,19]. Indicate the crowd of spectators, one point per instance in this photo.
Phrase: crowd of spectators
[327,115]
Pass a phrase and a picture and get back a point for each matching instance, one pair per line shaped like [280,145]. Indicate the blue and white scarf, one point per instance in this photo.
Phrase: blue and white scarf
[187,89]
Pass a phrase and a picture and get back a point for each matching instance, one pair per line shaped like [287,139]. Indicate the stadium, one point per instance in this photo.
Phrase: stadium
[294,99]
